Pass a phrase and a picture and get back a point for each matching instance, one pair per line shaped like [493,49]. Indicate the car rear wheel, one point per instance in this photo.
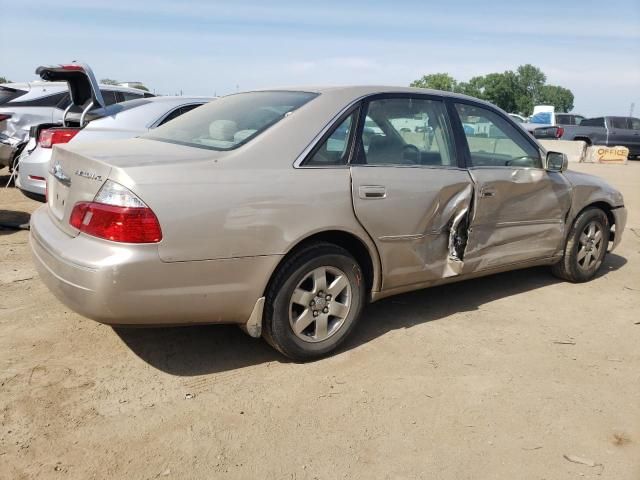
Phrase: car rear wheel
[313,302]
[586,247]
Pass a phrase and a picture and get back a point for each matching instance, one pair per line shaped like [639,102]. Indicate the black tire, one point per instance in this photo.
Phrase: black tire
[278,331]
[569,267]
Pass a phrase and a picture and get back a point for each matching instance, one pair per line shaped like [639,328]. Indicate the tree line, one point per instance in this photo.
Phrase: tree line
[514,92]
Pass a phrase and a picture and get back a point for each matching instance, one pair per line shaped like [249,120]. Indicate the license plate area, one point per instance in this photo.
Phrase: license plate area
[57,195]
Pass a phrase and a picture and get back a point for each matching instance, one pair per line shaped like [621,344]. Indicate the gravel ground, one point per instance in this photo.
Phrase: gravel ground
[514,376]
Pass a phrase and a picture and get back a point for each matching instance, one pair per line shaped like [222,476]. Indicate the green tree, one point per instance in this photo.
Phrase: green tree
[560,97]
[512,91]
[530,81]
[4,80]
[436,81]
[474,87]
[109,81]
[501,89]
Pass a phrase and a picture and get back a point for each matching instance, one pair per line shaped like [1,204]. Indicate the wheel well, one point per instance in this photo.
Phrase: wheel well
[348,241]
[586,140]
[606,208]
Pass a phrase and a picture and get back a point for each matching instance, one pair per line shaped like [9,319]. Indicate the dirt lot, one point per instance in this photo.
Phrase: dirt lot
[497,378]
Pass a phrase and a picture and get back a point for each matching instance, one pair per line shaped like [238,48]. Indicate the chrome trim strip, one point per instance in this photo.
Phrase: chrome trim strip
[410,237]
[529,222]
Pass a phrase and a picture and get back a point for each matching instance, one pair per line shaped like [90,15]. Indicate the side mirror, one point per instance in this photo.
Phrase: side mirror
[557,162]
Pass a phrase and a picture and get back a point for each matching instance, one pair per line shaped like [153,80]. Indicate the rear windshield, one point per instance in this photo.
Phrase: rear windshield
[7,94]
[230,121]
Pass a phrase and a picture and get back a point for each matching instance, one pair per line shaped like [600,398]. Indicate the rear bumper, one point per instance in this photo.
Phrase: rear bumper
[123,284]
[620,215]
[33,170]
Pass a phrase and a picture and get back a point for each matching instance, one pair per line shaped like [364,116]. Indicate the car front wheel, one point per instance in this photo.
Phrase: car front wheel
[313,302]
[586,247]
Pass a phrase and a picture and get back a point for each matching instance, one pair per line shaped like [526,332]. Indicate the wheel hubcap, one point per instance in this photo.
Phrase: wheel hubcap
[591,245]
[320,304]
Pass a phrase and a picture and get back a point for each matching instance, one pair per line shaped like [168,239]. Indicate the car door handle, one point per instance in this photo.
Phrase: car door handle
[487,192]
[368,192]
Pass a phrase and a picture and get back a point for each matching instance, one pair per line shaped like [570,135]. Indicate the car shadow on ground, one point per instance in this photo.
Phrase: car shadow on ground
[12,220]
[200,350]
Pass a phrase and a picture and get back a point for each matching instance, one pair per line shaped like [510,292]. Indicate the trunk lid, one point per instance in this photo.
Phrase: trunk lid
[83,86]
[79,170]
[72,178]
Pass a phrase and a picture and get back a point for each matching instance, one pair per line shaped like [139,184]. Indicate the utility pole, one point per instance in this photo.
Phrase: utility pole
[633,105]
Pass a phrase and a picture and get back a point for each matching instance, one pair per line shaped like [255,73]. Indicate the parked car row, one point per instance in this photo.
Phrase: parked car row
[23,105]
[609,131]
[91,112]
[285,211]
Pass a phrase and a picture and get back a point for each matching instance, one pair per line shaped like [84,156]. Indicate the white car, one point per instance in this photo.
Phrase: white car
[23,105]
[124,120]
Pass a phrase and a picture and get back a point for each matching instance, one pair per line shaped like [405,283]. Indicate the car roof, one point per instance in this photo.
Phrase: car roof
[43,84]
[359,91]
[178,99]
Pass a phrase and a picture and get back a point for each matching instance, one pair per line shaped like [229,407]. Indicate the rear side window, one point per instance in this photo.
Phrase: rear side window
[46,101]
[232,120]
[406,131]
[593,122]
[177,112]
[635,123]
[7,94]
[130,96]
[620,122]
[335,149]
[494,142]
[564,119]
[110,97]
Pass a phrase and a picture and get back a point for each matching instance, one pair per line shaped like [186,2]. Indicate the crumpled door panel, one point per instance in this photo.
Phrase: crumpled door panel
[518,215]
[411,224]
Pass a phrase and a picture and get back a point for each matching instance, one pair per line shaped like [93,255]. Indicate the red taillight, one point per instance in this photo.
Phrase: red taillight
[4,117]
[50,137]
[119,224]
[72,66]
[559,132]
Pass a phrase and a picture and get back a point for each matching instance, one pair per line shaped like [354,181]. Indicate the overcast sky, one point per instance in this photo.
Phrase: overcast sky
[206,48]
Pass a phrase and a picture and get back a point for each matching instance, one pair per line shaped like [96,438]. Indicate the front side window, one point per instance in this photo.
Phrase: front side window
[335,149]
[493,141]
[230,121]
[406,131]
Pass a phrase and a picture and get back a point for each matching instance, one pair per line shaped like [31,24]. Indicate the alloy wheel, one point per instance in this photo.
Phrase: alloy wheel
[320,304]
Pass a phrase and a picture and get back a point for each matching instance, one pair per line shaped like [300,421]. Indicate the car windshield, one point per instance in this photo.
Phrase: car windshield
[230,121]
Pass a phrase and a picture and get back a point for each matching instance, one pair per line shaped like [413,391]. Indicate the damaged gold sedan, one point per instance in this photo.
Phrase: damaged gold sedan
[285,211]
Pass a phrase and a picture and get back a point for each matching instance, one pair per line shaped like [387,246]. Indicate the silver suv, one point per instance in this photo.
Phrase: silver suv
[23,105]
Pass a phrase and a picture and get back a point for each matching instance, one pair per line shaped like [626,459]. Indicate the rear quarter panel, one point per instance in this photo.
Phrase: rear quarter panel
[226,213]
